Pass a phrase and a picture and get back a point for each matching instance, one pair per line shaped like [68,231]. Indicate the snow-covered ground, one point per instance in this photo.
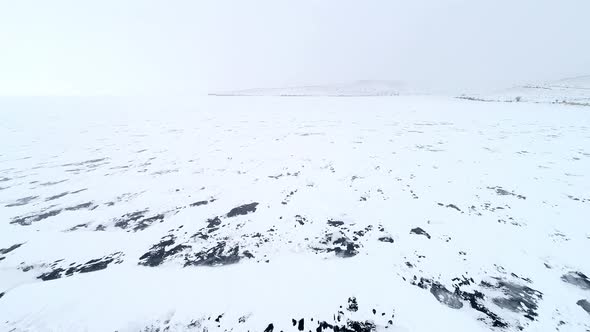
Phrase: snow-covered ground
[294,214]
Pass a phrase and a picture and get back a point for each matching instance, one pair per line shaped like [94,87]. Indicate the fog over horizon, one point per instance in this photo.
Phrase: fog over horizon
[187,48]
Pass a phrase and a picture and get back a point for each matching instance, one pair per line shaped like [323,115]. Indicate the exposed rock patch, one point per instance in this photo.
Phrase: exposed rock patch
[502,192]
[419,231]
[90,266]
[159,252]
[582,303]
[578,279]
[220,254]
[138,221]
[22,201]
[5,251]
[242,210]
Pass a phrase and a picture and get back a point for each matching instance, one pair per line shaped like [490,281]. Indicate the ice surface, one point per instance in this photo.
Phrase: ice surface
[288,214]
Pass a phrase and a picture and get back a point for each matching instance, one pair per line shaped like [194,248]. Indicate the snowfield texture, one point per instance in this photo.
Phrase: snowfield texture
[294,214]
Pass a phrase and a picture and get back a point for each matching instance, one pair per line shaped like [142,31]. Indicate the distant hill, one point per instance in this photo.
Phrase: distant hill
[572,91]
[358,88]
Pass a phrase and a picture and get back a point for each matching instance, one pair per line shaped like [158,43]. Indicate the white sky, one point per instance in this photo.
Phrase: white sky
[149,47]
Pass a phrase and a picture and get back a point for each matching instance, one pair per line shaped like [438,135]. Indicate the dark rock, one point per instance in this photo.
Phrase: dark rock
[518,298]
[22,201]
[79,191]
[502,192]
[137,221]
[11,248]
[423,283]
[88,205]
[90,266]
[100,263]
[354,326]
[521,278]
[92,161]
[464,281]
[124,220]
[350,251]
[351,326]
[212,226]
[2,294]
[158,253]
[199,203]
[335,223]
[77,227]
[446,297]
[577,279]
[55,274]
[453,206]
[475,300]
[213,222]
[218,255]
[242,210]
[269,328]
[419,231]
[324,326]
[352,304]
[51,198]
[346,247]
[582,303]
[28,220]
[25,268]
[52,183]
[362,232]
[301,220]
[386,239]
[301,325]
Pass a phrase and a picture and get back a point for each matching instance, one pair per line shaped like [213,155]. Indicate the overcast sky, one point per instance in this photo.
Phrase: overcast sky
[145,47]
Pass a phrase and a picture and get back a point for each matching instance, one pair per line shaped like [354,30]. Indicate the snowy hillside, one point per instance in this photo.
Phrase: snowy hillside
[570,91]
[408,214]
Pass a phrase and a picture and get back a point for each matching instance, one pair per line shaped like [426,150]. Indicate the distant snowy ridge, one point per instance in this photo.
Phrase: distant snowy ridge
[570,91]
[354,89]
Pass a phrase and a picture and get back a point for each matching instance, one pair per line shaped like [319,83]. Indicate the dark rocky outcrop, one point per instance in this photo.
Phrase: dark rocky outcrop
[578,279]
[159,252]
[242,210]
[90,266]
[419,231]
